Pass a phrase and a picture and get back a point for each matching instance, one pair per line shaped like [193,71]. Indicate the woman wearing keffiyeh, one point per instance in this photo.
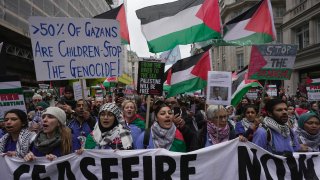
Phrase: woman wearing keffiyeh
[111,131]
[17,140]
[163,133]
[247,126]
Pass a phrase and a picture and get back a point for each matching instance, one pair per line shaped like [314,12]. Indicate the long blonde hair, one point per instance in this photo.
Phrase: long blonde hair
[66,139]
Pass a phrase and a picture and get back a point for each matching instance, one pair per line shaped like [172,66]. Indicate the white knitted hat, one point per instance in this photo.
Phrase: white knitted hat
[56,112]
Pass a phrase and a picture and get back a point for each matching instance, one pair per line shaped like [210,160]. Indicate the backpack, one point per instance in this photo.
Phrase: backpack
[271,143]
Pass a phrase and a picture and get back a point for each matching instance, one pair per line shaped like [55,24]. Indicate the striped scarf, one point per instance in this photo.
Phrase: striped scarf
[284,130]
[216,134]
[246,124]
[24,140]
[162,138]
[118,136]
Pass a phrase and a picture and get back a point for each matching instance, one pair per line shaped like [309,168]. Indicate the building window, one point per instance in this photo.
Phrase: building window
[279,36]
[302,36]
[279,12]
[240,61]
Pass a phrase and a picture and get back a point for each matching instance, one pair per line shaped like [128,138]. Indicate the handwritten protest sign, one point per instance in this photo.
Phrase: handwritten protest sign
[11,97]
[150,78]
[272,62]
[74,48]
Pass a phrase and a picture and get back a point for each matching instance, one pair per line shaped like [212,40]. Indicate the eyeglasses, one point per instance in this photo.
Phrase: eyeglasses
[220,117]
[37,100]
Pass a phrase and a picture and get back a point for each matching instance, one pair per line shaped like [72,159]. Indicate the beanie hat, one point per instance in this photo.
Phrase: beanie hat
[56,112]
[42,104]
[305,117]
[111,107]
[36,96]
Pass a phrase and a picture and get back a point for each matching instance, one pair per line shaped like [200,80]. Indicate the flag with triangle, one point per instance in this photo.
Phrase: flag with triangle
[189,74]
[179,22]
[119,14]
[254,26]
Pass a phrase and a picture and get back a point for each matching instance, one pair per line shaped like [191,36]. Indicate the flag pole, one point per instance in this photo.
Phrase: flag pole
[263,96]
[148,112]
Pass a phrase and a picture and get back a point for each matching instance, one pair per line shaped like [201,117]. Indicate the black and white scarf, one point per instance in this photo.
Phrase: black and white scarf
[246,124]
[115,134]
[162,138]
[312,141]
[284,130]
[24,140]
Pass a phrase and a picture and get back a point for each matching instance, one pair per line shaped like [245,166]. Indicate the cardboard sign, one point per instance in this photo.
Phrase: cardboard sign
[150,78]
[272,62]
[75,48]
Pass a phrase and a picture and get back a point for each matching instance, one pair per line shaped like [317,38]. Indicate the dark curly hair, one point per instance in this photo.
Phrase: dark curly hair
[21,114]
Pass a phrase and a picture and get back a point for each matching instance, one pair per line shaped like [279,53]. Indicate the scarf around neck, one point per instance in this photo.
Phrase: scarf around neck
[216,134]
[23,143]
[117,135]
[246,123]
[312,141]
[284,130]
[46,145]
[162,138]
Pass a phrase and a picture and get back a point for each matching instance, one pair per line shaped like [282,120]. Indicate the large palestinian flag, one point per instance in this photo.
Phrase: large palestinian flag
[119,14]
[254,26]
[189,74]
[179,22]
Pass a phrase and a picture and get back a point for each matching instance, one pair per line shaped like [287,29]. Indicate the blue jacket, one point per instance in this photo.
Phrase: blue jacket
[278,143]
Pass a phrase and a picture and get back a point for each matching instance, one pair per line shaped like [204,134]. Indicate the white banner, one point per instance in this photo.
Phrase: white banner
[75,48]
[230,160]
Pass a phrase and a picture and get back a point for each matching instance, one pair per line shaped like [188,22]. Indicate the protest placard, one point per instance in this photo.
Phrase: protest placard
[313,92]
[11,97]
[150,78]
[272,62]
[272,90]
[219,88]
[75,48]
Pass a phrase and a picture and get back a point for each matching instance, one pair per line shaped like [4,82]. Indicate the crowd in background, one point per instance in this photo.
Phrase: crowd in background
[50,128]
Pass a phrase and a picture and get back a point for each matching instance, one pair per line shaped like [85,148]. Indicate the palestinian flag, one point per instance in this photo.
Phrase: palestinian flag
[179,22]
[254,26]
[189,74]
[119,14]
[243,87]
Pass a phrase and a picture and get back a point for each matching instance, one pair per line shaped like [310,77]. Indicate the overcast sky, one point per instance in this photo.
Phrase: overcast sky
[137,40]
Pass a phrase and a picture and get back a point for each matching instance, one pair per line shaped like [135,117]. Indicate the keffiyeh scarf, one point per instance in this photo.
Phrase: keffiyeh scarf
[216,134]
[162,138]
[246,124]
[24,140]
[284,130]
[116,135]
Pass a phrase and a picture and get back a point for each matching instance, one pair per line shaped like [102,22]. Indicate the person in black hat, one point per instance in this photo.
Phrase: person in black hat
[68,97]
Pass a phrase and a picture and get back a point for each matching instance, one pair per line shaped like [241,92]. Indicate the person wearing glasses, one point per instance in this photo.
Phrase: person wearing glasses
[111,131]
[36,98]
[217,128]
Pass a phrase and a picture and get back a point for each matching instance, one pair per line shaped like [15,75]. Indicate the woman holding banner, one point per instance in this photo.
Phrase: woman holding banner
[17,140]
[134,121]
[217,129]
[163,133]
[111,131]
[55,139]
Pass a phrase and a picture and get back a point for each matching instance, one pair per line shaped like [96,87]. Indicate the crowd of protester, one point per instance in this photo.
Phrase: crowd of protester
[280,125]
